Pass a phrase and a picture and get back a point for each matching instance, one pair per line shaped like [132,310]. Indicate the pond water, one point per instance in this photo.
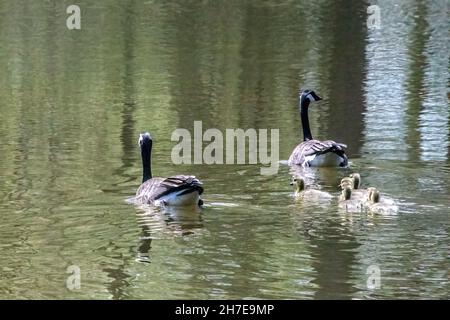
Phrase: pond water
[73,103]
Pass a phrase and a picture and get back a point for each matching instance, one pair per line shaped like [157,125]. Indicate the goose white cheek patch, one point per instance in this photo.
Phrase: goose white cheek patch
[310,97]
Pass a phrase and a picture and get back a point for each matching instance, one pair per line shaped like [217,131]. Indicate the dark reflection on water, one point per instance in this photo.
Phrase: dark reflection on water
[73,103]
[127,136]
[333,262]
[415,80]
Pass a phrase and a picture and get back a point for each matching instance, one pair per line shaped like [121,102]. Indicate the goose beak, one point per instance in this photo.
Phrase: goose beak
[316,97]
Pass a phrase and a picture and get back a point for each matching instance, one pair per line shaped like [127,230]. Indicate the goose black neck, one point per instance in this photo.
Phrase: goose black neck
[146,154]
[305,121]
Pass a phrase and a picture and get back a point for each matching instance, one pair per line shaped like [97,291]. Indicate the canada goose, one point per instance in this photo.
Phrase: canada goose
[179,190]
[354,182]
[347,202]
[311,152]
[377,204]
[312,194]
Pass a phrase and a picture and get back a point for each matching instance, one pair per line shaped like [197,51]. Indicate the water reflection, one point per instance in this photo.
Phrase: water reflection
[334,270]
[73,104]
[157,223]
[434,121]
[145,244]
[405,88]
[384,86]
[128,136]
[415,80]
[119,278]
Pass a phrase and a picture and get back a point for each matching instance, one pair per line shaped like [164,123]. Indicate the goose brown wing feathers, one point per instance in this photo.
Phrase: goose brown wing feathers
[156,188]
[307,150]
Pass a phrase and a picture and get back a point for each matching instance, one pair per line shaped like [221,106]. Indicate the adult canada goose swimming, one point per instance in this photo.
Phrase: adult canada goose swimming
[347,202]
[381,205]
[177,190]
[354,182]
[311,194]
[311,152]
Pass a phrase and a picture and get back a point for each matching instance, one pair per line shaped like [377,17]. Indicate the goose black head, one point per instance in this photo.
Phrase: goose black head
[144,139]
[308,96]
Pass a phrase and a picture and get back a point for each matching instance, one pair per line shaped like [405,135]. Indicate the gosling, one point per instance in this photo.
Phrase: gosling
[354,182]
[347,202]
[380,205]
[310,194]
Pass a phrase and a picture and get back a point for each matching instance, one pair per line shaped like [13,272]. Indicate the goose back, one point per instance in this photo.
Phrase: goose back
[321,153]
[174,190]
